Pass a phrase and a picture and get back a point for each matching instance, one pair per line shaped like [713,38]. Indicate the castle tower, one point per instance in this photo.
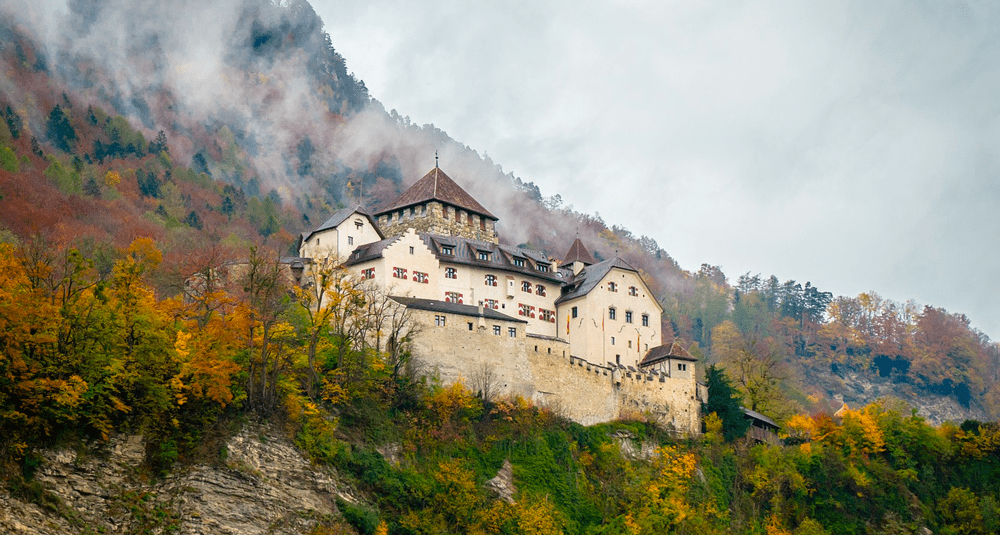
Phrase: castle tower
[578,257]
[436,204]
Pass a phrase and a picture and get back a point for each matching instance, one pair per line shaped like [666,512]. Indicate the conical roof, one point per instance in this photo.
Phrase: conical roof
[578,253]
[437,186]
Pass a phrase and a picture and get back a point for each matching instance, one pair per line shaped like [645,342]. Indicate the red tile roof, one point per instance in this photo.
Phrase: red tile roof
[673,350]
[436,185]
[578,253]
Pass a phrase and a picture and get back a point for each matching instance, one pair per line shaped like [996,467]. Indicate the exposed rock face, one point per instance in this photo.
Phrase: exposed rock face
[264,485]
[858,389]
[503,483]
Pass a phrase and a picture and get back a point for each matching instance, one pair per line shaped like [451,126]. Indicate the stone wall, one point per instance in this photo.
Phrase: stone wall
[541,369]
[437,218]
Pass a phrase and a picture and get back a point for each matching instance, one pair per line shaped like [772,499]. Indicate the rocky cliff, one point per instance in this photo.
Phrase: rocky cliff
[260,484]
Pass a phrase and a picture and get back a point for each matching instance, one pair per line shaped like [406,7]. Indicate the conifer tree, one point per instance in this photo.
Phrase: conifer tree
[725,402]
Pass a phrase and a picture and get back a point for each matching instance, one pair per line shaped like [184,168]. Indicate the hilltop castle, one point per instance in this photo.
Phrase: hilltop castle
[578,335]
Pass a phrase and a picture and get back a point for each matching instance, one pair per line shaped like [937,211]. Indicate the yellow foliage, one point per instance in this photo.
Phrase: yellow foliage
[112,179]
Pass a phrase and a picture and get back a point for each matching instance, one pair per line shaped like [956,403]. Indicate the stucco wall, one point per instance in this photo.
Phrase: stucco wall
[600,339]
[340,241]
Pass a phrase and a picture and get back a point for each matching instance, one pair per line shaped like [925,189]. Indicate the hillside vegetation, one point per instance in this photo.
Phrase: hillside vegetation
[89,356]
[140,229]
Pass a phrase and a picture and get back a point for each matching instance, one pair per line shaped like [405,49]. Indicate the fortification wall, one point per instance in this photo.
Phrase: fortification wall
[436,218]
[542,370]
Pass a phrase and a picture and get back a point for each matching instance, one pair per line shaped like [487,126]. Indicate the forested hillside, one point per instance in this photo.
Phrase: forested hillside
[133,162]
[270,133]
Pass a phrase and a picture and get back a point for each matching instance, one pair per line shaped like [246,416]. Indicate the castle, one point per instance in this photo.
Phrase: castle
[577,335]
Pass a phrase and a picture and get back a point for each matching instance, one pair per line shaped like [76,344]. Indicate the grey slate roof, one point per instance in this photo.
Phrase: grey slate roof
[454,308]
[501,256]
[590,277]
[754,415]
[368,251]
[339,217]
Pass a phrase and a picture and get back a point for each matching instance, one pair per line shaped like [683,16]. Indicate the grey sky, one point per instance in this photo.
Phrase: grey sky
[851,144]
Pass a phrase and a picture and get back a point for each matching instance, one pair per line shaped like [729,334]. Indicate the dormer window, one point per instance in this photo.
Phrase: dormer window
[544,268]
[518,262]
[484,256]
[448,250]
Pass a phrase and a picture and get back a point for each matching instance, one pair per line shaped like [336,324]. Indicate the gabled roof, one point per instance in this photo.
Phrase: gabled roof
[754,415]
[339,217]
[578,253]
[454,308]
[369,251]
[436,185]
[465,251]
[590,277]
[673,350]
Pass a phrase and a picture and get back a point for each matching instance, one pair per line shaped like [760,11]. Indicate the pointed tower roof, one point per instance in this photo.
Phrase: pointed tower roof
[578,253]
[437,186]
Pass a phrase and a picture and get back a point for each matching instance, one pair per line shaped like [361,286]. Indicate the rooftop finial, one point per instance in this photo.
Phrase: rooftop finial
[435,159]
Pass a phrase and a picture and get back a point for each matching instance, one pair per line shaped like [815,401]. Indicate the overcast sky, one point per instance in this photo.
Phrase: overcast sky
[854,145]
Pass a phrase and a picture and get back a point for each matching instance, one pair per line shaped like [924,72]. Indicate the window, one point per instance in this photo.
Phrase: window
[645,320]
[544,268]
[618,360]
[612,340]
[420,277]
[411,249]
[682,367]
[470,325]
[496,330]
[491,303]
[512,332]
[518,262]
[547,315]
[574,312]
[453,297]
[491,280]
[368,273]
[633,291]
[527,311]
[350,240]
[628,316]
[448,250]
[450,273]
[439,321]
[612,313]
[317,242]
[526,286]
[629,342]
[540,290]
[612,287]
[483,255]
[358,224]
[399,273]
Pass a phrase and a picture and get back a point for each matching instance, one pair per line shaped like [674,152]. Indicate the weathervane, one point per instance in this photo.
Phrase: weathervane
[435,159]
